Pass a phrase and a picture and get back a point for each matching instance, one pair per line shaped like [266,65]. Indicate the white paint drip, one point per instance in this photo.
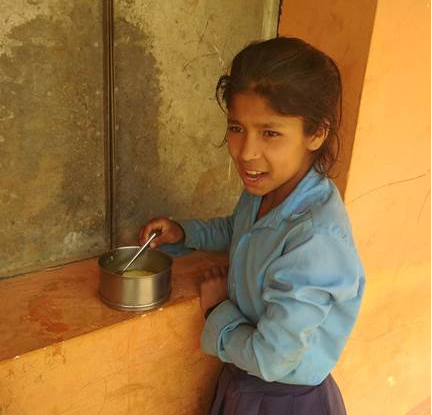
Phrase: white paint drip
[391,380]
[8,116]
[219,54]
[73,241]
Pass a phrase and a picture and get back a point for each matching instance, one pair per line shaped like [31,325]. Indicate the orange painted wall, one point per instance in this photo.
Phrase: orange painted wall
[63,351]
[342,29]
[388,199]
[385,368]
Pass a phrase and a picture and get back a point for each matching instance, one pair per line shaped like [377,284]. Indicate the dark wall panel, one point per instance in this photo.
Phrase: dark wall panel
[52,173]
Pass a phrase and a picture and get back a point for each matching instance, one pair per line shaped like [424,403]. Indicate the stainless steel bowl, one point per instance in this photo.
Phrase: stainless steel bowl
[138,292]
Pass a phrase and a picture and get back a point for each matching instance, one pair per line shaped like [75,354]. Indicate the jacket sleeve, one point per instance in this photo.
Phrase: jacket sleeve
[300,288]
[210,235]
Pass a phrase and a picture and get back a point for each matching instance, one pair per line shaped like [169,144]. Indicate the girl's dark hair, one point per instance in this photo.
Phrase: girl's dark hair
[297,80]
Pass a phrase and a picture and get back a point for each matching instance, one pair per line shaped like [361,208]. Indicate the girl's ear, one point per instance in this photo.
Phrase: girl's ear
[316,140]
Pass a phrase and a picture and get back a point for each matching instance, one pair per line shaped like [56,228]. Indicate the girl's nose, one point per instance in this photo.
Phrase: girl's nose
[250,149]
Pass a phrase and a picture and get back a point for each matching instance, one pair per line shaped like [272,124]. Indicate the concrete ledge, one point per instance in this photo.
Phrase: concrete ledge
[63,351]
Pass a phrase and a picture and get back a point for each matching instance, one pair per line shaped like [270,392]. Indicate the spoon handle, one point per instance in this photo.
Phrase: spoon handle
[152,236]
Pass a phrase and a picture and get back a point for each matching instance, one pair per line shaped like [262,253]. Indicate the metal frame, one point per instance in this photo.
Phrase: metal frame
[110,120]
[271,16]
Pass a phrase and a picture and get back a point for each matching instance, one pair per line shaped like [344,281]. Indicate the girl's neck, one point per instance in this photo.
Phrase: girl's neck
[274,198]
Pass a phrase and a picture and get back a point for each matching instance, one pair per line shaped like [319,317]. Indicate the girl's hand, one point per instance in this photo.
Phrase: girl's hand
[214,287]
[171,232]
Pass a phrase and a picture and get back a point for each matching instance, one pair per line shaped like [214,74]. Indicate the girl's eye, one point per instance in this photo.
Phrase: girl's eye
[234,129]
[270,133]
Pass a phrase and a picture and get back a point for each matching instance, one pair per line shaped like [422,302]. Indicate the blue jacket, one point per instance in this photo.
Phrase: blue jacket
[295,284]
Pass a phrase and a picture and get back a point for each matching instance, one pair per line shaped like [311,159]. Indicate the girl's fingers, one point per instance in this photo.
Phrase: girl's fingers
[170,232]
[143,235]
[158,240]
[220,272]
[148,229]
[216,272]
[207,275]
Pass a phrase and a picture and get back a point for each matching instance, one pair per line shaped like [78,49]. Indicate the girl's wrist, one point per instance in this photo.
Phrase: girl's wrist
[210,309]
[182,233]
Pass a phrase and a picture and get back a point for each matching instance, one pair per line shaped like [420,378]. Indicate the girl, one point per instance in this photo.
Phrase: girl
[282,317]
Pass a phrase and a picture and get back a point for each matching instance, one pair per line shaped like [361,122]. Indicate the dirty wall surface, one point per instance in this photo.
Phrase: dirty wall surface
[168,59]
[56,205]
[52,180]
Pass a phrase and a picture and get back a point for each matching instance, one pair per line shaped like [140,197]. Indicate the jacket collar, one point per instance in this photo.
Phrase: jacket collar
[312,189]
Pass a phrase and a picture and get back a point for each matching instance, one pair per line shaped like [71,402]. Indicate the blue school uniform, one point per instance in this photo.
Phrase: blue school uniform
[294,286]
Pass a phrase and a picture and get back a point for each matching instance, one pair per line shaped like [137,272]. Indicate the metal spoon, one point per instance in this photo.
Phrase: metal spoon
[142,249]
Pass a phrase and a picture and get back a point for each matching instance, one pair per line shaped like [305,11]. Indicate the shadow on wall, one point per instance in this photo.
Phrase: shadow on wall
[174,174]
[423,408]
[137,105]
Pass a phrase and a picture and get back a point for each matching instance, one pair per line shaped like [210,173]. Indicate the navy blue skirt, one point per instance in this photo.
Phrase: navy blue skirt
[239,393]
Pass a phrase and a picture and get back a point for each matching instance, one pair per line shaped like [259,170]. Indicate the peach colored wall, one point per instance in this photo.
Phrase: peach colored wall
[342,29]
[388,199]
[385,368]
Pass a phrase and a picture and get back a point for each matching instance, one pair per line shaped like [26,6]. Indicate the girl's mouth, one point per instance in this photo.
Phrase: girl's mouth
[253,176]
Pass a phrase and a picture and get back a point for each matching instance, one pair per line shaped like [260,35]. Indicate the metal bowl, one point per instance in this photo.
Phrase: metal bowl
[134,293]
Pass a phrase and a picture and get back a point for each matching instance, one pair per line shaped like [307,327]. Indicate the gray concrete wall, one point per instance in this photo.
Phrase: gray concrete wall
[52,180]
[168,58]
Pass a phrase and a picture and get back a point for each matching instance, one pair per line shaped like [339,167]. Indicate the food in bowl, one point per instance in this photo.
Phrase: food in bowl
[134,292]
[137,273]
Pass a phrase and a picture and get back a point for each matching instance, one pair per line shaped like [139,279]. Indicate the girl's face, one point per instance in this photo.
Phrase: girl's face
[270,150]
